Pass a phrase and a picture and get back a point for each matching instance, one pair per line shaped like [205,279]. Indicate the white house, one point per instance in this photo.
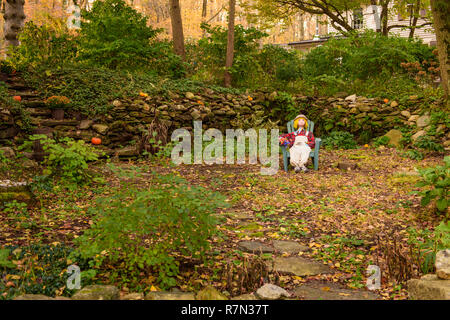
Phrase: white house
[368,17]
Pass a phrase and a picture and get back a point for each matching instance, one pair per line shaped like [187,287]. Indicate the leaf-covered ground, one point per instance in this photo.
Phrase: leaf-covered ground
[347,218]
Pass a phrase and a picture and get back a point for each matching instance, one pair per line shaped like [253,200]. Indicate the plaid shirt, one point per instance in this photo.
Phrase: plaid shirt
[290,138]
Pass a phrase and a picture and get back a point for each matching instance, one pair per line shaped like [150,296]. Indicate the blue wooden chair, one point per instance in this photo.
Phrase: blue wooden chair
[314,153]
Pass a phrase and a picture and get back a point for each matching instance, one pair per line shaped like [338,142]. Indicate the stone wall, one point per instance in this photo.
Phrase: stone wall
[368,118]
[127,119]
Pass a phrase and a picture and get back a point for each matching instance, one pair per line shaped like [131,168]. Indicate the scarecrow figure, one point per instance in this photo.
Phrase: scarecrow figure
[300,143]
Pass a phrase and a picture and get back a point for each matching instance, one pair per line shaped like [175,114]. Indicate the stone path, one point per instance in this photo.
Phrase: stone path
[255,247]
[290,247]
[318,290]
[302,267]
[295,265]
[299,266]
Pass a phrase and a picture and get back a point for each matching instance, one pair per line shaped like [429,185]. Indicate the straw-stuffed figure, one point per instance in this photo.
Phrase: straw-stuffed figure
[300,143]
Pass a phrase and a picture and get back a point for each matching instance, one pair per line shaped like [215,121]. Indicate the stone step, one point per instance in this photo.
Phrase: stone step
[25,94]
[318,290]
[34,104]
[298,266]
[255,247]
[53,122]
[39,112]
[18,86]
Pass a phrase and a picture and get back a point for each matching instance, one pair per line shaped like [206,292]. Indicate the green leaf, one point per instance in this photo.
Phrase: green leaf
[441,204]
[4,262]
[425,200]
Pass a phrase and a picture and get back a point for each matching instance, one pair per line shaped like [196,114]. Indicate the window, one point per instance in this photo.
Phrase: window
[358,19]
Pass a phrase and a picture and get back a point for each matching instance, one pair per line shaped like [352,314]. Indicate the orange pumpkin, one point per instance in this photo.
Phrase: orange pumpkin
[96,140]
[386,100]
[17,98]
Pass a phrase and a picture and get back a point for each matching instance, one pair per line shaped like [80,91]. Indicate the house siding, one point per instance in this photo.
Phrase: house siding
[425,33]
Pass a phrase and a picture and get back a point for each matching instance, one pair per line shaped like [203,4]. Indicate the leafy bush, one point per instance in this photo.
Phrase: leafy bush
[112,35]
[437,179]
[66,158]
[340,140]
[253,67]
[364,55]
[4,161]
[362,62]
[115,35]
[41,270]
[426,244]
[211,53]
[43,46]
[414,154]
[280,64]
[381,141]
[428,143]
[21,114]
[146,230]
[284,105]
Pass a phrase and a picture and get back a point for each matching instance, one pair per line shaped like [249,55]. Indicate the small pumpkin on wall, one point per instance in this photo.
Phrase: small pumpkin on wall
[96,140]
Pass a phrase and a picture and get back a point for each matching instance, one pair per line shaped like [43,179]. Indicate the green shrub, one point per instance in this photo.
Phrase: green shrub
[340,140]
[428,143]
[147,229]
[42,270]
[21,115]
[283,105]
[362,62]
[43,46]
[115,35]
[414,154]
[212,52]
[437,181]
[66,158]
[112,35]
[425,244]
[381,141]
[279,64]
[4,161]
[363,55]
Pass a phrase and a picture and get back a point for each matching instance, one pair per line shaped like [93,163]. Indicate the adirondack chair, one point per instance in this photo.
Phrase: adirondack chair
[314,153]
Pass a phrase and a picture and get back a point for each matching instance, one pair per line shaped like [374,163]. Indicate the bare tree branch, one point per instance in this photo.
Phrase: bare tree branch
[408,27]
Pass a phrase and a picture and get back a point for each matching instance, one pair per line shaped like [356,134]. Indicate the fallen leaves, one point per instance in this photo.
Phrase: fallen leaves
[342,205]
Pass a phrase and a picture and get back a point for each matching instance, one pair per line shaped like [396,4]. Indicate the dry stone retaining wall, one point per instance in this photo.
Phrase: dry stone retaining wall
[127,119]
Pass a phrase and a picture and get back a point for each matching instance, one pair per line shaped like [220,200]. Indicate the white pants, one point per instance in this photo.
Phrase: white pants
[299,153]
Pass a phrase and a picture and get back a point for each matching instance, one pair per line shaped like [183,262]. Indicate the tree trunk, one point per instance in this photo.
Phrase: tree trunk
[440,10]
[204,7]
[302,27]
[384,17]
[415,18]
[177,28]
[230,43]
[14,17]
